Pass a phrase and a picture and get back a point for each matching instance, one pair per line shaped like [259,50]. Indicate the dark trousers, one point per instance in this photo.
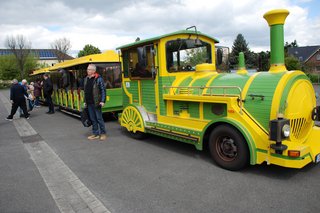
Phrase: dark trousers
[50,103]
[96,118]
[22,105]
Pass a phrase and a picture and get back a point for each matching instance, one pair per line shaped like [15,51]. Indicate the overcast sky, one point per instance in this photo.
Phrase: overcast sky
[111,23]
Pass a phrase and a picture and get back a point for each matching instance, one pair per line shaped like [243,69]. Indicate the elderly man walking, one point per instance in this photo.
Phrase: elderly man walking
[18,99]
[95,97]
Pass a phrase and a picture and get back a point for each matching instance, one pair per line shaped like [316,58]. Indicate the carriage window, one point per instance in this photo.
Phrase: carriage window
[185,54]
[111,74]
[139,62]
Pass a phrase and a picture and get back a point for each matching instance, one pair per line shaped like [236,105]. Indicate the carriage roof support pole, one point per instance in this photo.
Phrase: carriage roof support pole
[276,19]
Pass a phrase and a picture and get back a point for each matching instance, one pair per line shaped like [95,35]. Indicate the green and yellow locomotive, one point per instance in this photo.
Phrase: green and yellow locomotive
[171,88]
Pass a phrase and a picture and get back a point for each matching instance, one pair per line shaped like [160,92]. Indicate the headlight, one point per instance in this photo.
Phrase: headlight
[286,130]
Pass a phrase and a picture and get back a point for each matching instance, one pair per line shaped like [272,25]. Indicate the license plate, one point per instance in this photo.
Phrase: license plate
[317,158]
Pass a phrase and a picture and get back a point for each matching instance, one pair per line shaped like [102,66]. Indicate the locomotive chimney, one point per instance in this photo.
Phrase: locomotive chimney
[276,19]
[241,64]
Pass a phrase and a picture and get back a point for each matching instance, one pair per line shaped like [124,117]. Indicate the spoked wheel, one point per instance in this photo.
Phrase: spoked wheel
[132,121]
[228,148]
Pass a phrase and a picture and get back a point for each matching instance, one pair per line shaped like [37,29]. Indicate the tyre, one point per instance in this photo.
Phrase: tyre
[228,148]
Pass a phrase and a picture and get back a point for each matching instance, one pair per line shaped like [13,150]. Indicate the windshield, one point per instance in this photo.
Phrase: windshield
[185,54]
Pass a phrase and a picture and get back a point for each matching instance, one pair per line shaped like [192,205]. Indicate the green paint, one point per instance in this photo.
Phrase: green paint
[148,95]
[241,60]
[264,84]
[164,81]
[208,111]
[174,128]
[262,150]
[133,89]
[277,44]
[191,107]
[229,80]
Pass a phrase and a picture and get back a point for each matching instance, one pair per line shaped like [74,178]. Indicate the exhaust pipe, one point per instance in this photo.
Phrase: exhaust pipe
[276,19]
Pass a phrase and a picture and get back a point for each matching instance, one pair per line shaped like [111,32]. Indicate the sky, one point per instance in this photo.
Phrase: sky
[112,23]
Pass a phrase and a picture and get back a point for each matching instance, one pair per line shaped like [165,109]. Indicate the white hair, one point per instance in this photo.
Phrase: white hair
[93,67]
[24,81]
[15,81]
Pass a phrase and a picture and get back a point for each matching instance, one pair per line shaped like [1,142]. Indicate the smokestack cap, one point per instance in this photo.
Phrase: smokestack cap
[277,16]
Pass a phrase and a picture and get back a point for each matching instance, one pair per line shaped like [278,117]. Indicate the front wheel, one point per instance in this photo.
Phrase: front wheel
[228,148]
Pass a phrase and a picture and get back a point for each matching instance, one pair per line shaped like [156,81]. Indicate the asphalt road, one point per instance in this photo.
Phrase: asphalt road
[152,175]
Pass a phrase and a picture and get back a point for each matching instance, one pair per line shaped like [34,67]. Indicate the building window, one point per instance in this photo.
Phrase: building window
[318,57]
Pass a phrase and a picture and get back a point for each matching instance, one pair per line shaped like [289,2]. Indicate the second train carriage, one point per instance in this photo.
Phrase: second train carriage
[67,78]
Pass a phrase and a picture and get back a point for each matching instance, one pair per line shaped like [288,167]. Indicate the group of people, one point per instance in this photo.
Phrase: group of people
[94,98]
[23,93]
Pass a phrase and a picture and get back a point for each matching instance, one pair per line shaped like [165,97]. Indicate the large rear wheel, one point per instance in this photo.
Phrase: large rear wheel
[228,148]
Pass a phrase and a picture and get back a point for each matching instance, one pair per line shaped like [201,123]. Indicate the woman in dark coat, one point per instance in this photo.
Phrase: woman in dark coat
[37,92]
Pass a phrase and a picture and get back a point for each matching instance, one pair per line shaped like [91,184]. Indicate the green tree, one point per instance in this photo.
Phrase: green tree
[287,45]
[88,50]
[8,67]
[20,47]
[292,63]
[263,61]
[196,56]
[240,45]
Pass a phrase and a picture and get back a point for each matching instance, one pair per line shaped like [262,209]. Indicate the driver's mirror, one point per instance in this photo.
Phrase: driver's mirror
[219,56]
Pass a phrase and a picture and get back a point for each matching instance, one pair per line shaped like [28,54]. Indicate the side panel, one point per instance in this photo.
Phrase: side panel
[148,95]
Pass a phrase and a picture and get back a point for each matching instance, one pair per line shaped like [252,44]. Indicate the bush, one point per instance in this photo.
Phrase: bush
[5,84]
[314,78]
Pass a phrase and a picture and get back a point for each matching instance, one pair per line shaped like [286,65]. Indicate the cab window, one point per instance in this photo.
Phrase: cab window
[139,62]
[185,54]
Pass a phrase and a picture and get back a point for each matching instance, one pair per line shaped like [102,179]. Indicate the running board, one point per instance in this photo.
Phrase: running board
[70,113]
[174,135]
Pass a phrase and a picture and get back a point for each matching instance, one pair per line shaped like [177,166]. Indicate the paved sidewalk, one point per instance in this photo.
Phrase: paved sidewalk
[67,190]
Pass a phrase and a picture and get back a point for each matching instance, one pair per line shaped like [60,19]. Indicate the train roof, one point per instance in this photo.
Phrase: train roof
[40,71]
[189,32]
[107,56]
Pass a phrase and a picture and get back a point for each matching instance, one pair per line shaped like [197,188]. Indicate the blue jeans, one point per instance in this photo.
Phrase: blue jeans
[95,114]
[36,101]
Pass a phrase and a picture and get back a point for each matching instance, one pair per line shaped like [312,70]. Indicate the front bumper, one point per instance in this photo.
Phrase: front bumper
[308,151]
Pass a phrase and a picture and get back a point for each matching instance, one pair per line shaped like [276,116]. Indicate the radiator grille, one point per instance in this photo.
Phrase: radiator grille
[297,126]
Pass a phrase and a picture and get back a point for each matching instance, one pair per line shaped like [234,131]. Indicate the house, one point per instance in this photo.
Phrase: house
[47,57]
[309,56]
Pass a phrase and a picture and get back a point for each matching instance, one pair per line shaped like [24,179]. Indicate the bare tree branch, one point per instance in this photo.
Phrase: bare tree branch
[21,48]
[62,46]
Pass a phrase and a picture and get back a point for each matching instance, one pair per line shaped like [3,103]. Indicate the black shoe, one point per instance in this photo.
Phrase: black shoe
[9,118]
[50,112]
[22,115]
[27,117]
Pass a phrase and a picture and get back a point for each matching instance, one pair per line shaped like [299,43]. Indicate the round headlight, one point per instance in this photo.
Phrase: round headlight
[286,130]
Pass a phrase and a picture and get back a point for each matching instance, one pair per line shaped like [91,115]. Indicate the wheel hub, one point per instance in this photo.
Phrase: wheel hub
[228,148]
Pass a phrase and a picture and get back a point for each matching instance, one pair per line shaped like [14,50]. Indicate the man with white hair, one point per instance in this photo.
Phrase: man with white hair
[17,98]
[95,97]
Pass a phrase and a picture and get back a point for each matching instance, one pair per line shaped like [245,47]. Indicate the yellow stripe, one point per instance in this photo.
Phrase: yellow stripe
[126,91]
[247,86]
[278,92]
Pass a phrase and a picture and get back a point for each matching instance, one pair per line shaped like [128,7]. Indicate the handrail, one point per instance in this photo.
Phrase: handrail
[201,88]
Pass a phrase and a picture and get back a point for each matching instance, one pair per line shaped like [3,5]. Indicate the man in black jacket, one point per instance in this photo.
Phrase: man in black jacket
[18,99]
[47,92]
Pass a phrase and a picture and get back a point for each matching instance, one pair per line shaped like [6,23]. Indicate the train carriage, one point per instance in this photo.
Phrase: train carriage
[68,76]
[171,88]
